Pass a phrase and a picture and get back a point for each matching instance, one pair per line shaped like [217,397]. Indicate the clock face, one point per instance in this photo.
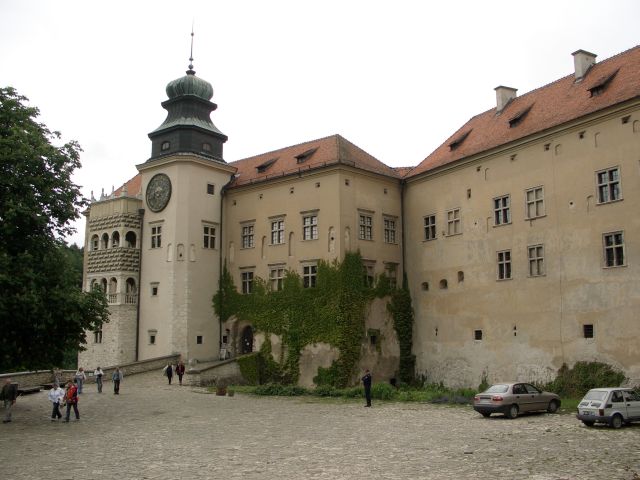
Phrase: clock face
[158,192]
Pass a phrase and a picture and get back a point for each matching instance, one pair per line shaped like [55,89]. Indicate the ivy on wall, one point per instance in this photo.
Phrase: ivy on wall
[333,312]
[402,312]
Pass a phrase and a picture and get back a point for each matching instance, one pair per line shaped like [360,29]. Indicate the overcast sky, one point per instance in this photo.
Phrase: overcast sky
[395,78]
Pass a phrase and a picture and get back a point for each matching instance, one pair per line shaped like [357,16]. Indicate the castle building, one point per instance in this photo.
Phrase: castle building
[518,235]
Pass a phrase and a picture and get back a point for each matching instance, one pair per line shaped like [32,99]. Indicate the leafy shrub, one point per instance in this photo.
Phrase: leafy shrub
[327,391]
[575,382]
[275,389]
[382,391]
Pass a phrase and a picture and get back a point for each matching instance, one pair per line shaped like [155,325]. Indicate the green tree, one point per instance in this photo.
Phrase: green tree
[43,312]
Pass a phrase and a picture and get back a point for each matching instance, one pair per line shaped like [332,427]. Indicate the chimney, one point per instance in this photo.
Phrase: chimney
[503,96]
[583,61]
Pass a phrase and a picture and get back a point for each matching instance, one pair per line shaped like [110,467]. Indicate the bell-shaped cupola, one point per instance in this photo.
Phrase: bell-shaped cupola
[188,127]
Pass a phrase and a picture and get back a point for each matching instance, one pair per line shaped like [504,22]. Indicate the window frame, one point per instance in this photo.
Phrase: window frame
[608,185]
[454,222]
[278,278]
[277,231]
[247,235]
[618,249]
[428,226]
[536,262]
[389,224]
[310,226]
[156,236]
[246,281]
[502,210]
[365,226]
[504,265]
[208,238]
[309,275]
[534,202]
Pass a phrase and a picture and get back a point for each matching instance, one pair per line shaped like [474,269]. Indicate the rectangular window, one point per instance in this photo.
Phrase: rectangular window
[453,222]
[152,336]
[536,260]
[209,232]
[614,249]
[609,185]
[587,330]
[391,271]
[534,199]
[309,274]
[276,278]
[154,289]
[310,227]
[97,336]
[247,282]
[156,236]
[477,334]
[504,265]
[277,232]
[389,230]
[199,339]
[502,210]
[247,236]
[365,227]
[210,189]
[369,273]
[430,227]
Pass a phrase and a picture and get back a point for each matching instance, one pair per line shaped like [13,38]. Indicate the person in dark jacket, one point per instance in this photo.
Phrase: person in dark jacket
[180,371]
[9,393]
[168,371]
[366,381]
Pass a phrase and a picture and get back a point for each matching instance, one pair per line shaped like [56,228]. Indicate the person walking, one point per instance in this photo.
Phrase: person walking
[98,373]
[117,378]
[180,371]
[9,393]
[80,378]
[56,395]
[168,371]
[366,381]
[71,399]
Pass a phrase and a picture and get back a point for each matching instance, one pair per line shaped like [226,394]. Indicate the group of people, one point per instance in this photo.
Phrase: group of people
[178,369]
[68,397]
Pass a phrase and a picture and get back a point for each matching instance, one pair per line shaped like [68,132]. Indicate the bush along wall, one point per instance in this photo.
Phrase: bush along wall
[333,312]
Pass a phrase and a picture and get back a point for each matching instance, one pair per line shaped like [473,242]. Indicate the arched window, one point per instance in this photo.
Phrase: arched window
[113,285]
[425,286]
[95,243]
[443,284]
[105,241]
[115,240]
[131,291]
[130,240]
[94,284]
[103,285]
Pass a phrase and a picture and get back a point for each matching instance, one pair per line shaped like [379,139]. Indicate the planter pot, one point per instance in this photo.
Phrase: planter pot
[221,391]
[230,393]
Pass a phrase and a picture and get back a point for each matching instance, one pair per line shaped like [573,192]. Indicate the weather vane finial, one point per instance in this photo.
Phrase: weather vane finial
[191,70]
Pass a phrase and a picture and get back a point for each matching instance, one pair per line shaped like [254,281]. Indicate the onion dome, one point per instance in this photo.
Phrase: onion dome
[190,85]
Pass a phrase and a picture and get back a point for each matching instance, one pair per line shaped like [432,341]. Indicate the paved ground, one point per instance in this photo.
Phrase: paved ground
[153,431]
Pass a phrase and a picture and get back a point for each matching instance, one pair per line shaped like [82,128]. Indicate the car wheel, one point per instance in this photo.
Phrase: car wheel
[588,423]
[616,421]
[486,414]
[553,407]
[513,411]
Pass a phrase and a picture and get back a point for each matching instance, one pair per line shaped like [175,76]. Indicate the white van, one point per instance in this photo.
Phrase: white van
[613,406]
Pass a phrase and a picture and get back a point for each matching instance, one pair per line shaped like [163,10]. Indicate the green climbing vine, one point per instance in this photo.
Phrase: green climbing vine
[333,312]
[402,312]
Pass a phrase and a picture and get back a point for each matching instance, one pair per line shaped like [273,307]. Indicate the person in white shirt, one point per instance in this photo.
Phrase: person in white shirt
[56,394]
[80,378]
[98,373]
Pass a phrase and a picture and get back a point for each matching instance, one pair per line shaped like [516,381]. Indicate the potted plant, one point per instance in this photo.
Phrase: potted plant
[221,388]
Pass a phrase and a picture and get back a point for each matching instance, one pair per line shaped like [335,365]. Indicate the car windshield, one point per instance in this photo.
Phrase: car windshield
[498,389]
[595,395]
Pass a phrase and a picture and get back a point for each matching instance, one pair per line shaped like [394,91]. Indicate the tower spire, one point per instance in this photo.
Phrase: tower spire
[191,71]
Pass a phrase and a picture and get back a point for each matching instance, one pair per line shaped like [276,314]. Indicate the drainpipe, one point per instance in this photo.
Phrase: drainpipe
[141,214]
[403,183]
[222,192]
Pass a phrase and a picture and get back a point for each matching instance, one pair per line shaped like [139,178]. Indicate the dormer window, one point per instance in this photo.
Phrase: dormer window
[519,117]
[601,84]
[304,156]
[165,146]
[458,141]
[206,147]
[266,165]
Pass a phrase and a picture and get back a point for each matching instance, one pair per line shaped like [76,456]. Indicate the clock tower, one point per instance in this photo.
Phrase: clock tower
[181,232]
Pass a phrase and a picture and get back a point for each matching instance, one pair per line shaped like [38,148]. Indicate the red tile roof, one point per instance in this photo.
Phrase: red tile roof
[549,106]
[306,156]
[134,187]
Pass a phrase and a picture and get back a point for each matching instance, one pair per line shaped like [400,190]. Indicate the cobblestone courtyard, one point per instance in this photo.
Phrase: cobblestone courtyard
[156,431]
